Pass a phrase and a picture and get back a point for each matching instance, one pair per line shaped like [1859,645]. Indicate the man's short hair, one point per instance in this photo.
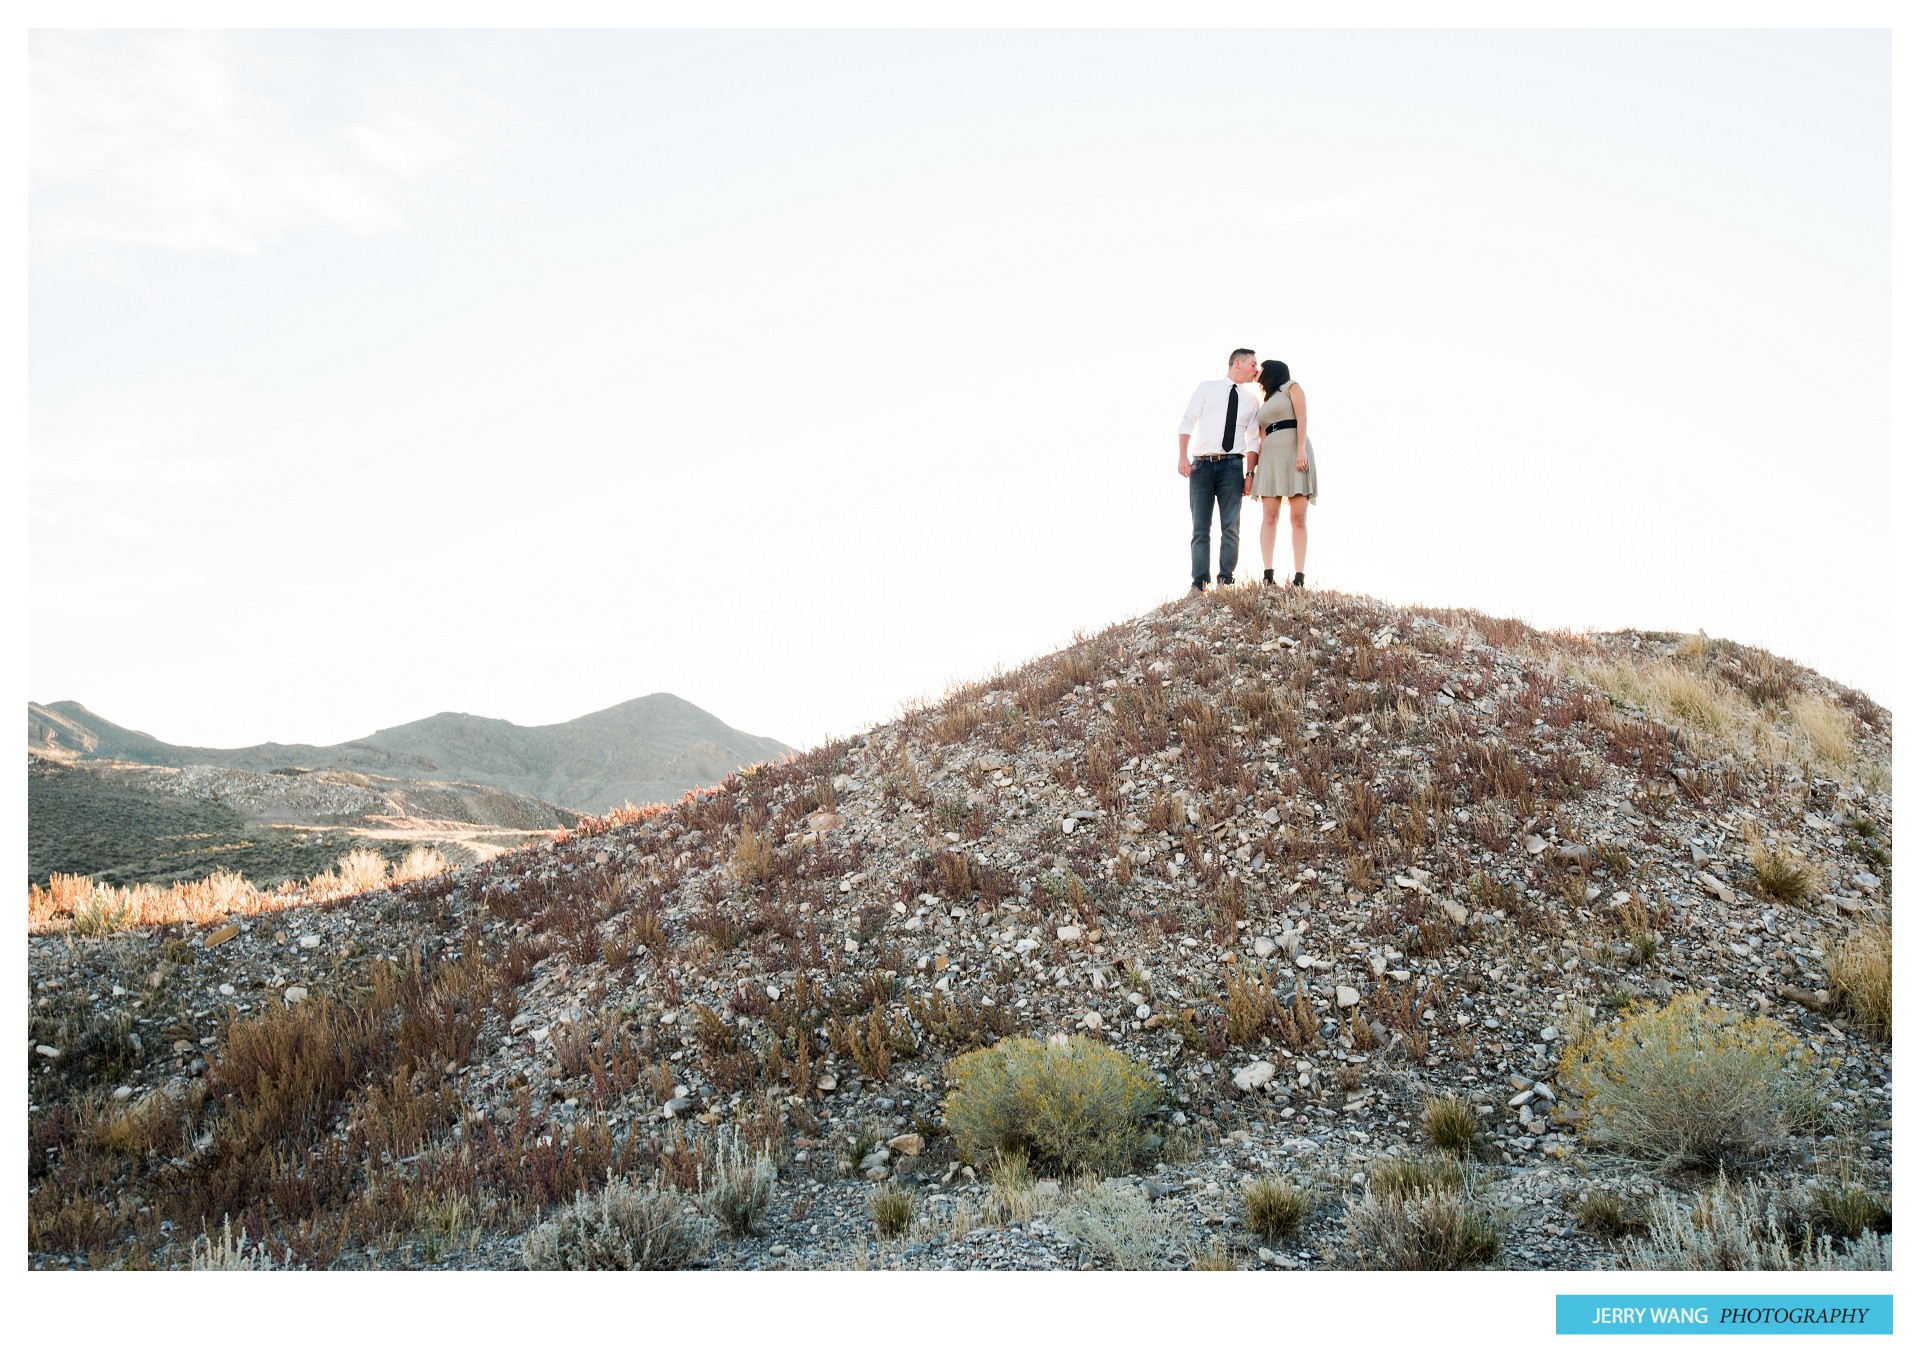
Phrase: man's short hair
[1239,352]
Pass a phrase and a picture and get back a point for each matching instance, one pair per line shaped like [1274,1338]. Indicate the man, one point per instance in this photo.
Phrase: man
[1220,424]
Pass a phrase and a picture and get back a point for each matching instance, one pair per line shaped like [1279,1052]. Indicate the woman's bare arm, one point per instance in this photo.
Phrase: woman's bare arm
[1299,402]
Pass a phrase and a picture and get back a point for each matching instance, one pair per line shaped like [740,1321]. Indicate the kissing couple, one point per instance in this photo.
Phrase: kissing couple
[1247,443]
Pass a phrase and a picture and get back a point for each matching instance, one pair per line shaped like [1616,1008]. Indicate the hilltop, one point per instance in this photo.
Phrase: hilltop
[1314,861]
[650,749]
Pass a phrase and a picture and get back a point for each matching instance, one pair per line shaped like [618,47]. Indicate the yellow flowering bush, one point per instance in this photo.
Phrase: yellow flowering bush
[1690,1084]
[1071,1105]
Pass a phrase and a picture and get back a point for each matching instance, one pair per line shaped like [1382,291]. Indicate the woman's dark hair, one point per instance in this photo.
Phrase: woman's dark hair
[1273,374]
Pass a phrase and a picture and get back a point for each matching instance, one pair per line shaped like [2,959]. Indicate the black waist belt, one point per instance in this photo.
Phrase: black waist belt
[1276,426]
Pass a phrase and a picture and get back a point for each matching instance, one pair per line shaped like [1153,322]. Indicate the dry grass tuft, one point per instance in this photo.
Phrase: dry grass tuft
[752,861]
[1275,1206]
[1450,1124]
[420,863]
[100,908]
[892,1209]
[1861,969]
[1409,1175]
[1779,875]
[1848,1211]
[1215,1258]
[1604,1214]
[1432,1229]
[361,870]
[1828,730]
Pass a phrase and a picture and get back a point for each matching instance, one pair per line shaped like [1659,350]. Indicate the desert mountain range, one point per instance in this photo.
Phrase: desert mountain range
[650,749]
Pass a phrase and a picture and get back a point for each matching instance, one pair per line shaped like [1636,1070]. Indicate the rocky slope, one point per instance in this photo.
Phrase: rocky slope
[1311,858]
[650,749]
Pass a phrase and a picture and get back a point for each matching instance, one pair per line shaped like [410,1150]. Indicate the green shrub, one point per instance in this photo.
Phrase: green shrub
[1691,1085]
[1069,1106]
[623,1229]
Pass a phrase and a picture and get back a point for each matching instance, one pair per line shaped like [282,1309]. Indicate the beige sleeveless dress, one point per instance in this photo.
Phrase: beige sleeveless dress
[1276,476]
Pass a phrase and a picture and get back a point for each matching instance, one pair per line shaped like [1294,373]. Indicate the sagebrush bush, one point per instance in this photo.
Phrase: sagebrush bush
[1861,969]
[1274,1205]
[1431,1229]
[622,1229]
[229,1252]
[1450,1124]
[741,1185]
[1069,1106]
[1691,1085]
[1728,1228]
[1118,1224]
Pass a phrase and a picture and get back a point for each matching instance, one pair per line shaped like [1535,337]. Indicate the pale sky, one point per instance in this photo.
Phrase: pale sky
[378,374]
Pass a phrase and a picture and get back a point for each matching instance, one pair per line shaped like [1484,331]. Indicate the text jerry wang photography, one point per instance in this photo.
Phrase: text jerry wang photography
[721,652]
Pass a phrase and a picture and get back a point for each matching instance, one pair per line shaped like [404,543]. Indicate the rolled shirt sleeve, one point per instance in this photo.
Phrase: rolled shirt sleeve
[1194,405]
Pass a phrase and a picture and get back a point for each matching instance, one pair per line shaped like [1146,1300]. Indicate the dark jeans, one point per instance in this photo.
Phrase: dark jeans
[1216,481]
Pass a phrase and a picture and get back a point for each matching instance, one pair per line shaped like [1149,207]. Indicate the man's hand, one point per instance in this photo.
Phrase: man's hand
[1186,468]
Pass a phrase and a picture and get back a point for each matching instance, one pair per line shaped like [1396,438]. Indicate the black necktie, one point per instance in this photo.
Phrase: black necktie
[1233,412]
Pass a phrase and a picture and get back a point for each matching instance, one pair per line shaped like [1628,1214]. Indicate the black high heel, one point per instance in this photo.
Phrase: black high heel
[1299,579]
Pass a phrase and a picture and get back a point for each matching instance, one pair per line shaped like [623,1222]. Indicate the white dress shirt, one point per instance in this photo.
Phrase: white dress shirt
[1207,410]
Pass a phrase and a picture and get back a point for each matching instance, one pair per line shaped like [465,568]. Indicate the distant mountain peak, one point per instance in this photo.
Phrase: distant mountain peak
[652,748]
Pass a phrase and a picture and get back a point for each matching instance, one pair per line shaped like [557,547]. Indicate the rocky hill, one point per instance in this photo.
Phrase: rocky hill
[650,749]
[1315,862]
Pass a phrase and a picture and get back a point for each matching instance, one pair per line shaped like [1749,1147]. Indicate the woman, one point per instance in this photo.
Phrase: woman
[1283,468]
